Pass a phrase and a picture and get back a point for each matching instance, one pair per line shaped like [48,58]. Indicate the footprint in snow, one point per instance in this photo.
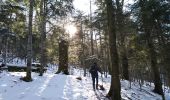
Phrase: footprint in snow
[21,96]
[43,98]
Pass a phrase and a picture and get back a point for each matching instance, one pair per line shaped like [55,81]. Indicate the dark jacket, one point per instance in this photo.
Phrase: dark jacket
[94,70]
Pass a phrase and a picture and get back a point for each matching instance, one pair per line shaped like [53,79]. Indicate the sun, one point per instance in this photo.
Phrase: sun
[71,29]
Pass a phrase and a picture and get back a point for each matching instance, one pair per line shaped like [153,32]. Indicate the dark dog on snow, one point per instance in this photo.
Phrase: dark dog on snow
[101,87]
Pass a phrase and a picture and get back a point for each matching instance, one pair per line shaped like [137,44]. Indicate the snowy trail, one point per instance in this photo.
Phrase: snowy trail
[48,87]
[65,87]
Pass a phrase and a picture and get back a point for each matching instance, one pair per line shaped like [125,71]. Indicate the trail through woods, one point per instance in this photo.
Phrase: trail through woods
[65,87]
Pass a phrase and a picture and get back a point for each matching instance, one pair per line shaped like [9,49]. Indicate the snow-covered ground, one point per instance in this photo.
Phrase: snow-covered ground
[65,87]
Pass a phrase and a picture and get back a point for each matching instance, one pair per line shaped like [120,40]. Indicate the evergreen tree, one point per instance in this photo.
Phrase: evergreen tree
[29,48]
[115,88]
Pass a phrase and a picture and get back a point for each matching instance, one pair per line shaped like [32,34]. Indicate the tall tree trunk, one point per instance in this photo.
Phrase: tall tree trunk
[115,84]
[83,47]
[101,47]
[125,66]
[123,55]
[29,48]
[43,35]
[4,46]
[107,52]
[63,57]
[157,80]
[91,32]
[148,24]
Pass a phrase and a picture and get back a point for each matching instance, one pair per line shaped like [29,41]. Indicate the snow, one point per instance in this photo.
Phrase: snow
[52,86]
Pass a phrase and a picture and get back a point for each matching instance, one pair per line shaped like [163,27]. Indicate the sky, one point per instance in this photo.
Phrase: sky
[84,5]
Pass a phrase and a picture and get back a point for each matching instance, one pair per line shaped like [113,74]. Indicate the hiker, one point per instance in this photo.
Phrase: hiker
[94,73]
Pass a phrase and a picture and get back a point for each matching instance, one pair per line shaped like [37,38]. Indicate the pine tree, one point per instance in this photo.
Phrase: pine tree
[115,88]
[29,48]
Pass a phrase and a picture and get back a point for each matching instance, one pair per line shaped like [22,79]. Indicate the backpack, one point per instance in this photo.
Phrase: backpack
[93,70]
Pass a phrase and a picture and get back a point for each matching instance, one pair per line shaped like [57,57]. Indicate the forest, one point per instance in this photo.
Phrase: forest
[128,39]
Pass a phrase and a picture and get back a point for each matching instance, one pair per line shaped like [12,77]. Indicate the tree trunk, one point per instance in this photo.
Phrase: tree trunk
[115,84]
[43,35]
[29,48]
[123,55]
[148,29]
[91,32]
[157,80]
[83,47]
[125,65]
[4,51]
[107,52]
[63,57]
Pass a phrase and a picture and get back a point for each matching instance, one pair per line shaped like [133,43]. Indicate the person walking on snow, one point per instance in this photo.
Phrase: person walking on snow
[94,69]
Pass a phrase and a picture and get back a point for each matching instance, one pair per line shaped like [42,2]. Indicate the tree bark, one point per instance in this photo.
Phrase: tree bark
[29,48]
[43,35]
[115,84]
[148,24]
[63,57]
[125,66]
[91,32]
[157,80]
[123,55]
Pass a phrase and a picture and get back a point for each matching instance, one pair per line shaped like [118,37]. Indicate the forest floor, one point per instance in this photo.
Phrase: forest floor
[52,86]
